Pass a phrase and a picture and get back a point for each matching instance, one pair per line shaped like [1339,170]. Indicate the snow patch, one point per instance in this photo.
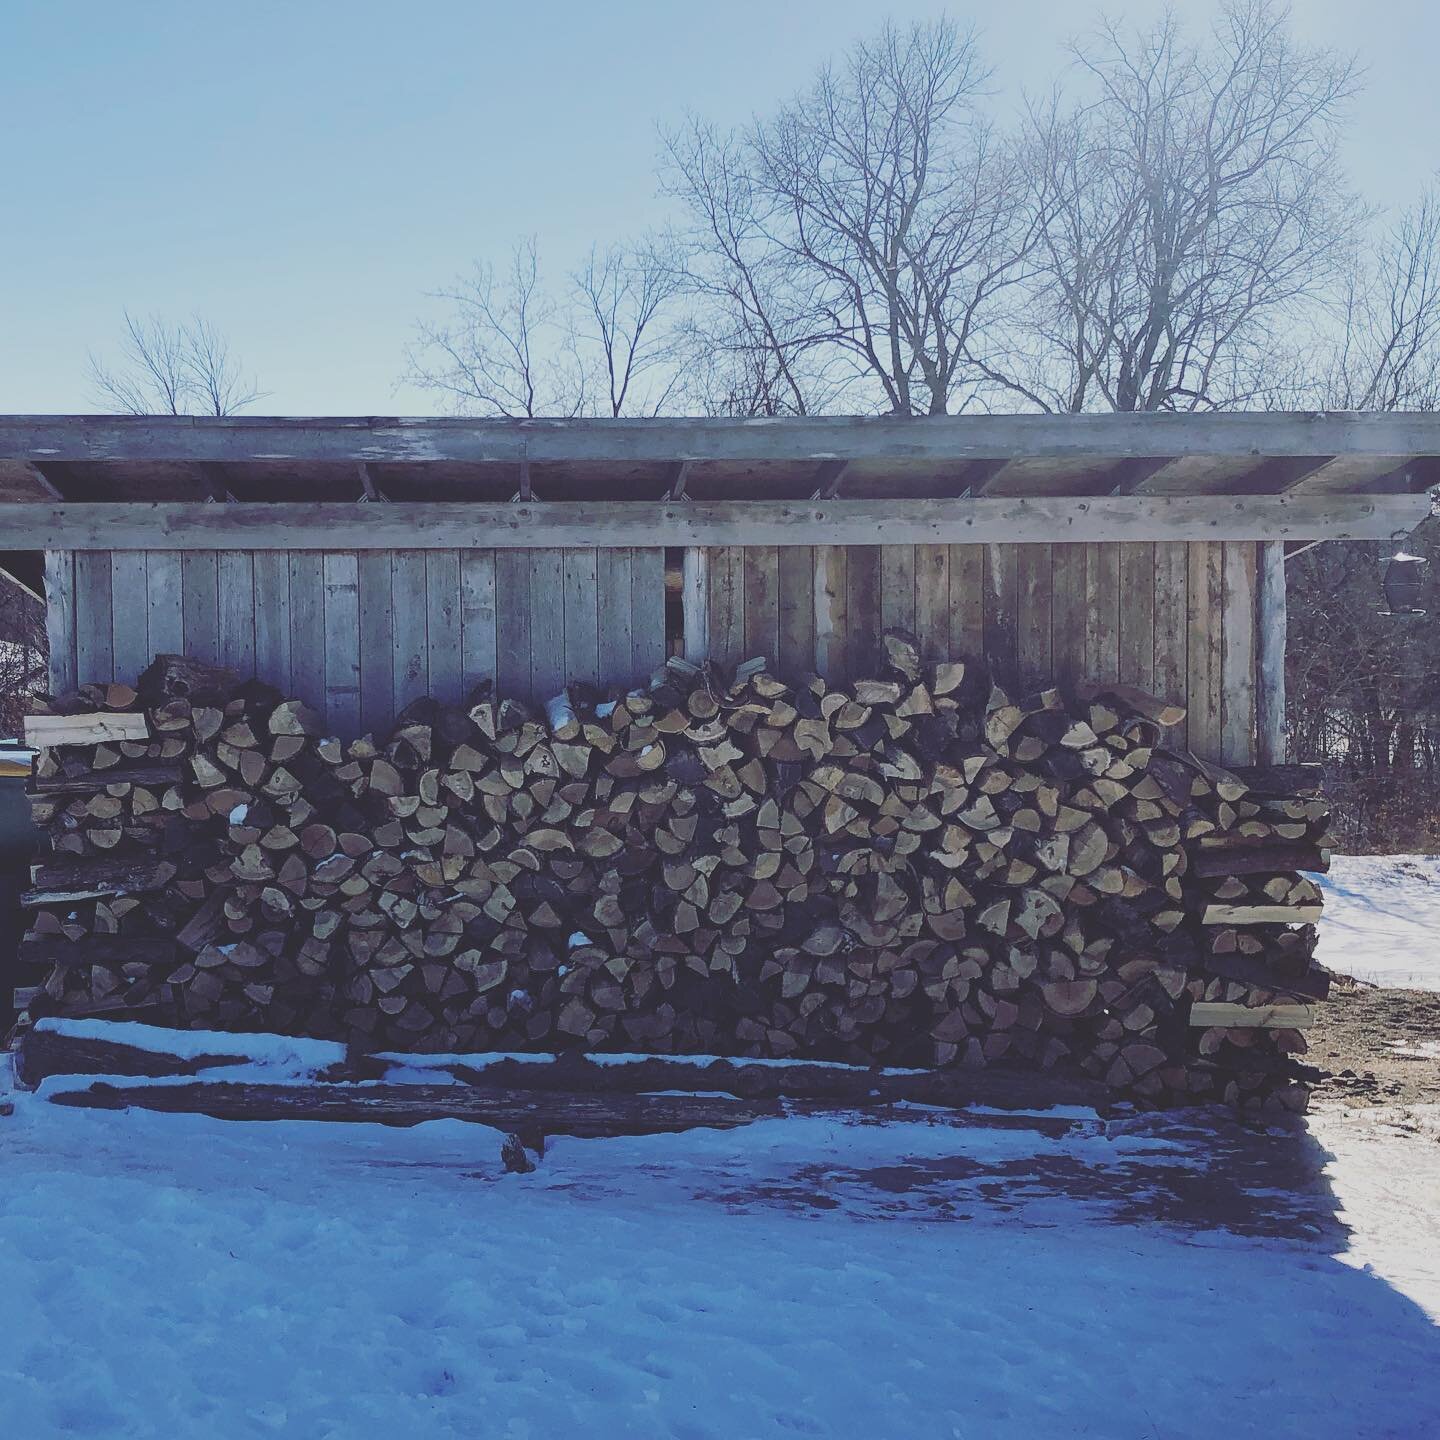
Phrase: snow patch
[1381,921]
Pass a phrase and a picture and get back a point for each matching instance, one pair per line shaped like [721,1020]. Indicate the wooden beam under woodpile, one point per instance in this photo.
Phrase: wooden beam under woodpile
[532,1115]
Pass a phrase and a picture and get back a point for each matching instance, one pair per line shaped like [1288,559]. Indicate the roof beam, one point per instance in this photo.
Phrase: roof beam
[983,475]
[828,478]
[212,482]
[257,440]
[677,478]
[38,475]
[369,490]
[598,524]
[1129,475]
[1357,474]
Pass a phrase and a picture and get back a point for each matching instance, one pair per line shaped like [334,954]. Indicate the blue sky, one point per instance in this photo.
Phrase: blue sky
[303,173]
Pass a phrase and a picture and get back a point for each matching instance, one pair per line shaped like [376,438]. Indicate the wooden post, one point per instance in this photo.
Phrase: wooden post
[695,603]
[60,619]
[1270,653]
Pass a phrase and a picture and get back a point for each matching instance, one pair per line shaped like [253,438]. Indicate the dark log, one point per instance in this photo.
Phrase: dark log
[63,881]
[1282,781]
[1312,983]
[152,774]
[532,1113]
[96,950]
[548,1114]
[177,677]
[1257,858]
[999,1087]
[41,1053]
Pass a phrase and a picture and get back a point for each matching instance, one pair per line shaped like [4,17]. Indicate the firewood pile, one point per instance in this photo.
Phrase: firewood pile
[913,870]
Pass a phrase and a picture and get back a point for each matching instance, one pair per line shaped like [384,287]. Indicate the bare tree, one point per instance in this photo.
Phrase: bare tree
[750,329]
[510,346]
[860,238]
[1191,210]
[502,349]
[621,331]
[173,369]
[1382,349]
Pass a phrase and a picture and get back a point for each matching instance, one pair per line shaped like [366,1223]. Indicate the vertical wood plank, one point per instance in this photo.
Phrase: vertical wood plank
[648,649]
[307,628]
[60,633]
[1137,613]
[615,602]
[582,617]
[862,610]
[272,617]
[235,604]
[1205,601]
[442,625]
[831,628]
[200,604]
[477,618]
[130,613]
[897,588]
[340,571]
[1102,612]
[1002,614]
[1270,661]
[932,602]
[1237,724]
[795,647]
[1034,662]
[94,654]
[512,624]
[967,601]
[1172,627]
[410,650]
[761,565]
[725,577]
[163,597]
[547,624]
[695,603]
[1067,613]
[377,641]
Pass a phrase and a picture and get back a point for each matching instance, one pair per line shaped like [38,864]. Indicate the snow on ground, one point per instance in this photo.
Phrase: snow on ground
[179,1276]
[1382,919]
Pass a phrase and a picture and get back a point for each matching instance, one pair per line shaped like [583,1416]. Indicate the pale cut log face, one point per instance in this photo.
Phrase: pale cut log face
[915,869]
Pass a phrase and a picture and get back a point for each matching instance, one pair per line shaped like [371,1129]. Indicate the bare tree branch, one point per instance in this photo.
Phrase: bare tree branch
[1190,211]
[168,369]
[860,238]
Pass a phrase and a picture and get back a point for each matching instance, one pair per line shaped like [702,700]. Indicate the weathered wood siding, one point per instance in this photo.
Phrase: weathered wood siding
[1174,617]
[359,634]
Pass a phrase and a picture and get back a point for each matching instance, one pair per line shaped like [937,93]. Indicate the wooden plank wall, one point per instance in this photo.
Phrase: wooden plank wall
[1174,618]
[359,634]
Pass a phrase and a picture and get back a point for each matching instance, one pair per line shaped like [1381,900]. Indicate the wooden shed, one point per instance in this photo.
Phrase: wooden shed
[862,852]
[360,563]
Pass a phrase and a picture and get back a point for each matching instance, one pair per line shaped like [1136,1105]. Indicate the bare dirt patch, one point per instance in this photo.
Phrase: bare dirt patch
[1377,1047]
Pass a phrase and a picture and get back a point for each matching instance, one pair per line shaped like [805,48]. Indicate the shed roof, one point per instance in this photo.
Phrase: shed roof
[76,481]
[285,460]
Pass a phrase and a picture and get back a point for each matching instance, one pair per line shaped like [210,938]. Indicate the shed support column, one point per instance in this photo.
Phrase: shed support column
[695,604]
[60,619]
[1270,654]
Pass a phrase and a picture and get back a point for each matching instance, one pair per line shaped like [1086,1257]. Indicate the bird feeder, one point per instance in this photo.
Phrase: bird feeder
[1404,583]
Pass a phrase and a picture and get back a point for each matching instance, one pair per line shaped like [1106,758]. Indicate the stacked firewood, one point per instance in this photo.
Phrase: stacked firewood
[914,870]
